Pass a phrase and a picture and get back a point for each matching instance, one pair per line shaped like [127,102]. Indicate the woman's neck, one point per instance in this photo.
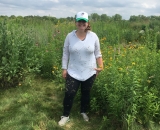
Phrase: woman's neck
[81,34]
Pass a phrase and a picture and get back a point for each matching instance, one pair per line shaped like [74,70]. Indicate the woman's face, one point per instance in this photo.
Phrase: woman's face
[81,25]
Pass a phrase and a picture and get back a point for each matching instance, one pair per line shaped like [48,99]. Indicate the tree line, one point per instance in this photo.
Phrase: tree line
[92,17]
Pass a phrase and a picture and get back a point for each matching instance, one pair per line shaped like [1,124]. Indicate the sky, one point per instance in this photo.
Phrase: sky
[68,8]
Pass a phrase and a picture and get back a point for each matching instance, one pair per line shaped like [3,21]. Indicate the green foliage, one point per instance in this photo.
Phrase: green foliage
[117,17]
[17,54]
[130,35]
[126,93]
[158,40]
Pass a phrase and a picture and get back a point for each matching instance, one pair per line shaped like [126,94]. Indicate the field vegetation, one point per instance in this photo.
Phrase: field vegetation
[125,95]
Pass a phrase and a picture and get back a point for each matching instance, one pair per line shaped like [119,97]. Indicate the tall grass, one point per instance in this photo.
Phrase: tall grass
[125,94]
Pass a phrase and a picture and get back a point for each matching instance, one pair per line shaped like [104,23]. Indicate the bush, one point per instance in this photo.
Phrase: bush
[17,55]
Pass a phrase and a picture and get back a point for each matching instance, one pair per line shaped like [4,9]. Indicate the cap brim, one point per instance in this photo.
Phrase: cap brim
[78,19]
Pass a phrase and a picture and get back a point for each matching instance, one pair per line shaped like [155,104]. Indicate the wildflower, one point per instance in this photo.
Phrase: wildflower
[139,80]
[103,39]
[141,47]
[109,64]
[149,81]
[120,68]
[130,48]
[54,67]
[141,31]
[107,67]
[133,63]
[109,52]
[52,72]
[151,77]
[19,84]
[110,47]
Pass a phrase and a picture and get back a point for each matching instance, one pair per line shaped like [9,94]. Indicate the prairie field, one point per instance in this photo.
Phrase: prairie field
[125,95]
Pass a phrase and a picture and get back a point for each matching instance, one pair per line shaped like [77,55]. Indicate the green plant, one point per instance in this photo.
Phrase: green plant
[17,55]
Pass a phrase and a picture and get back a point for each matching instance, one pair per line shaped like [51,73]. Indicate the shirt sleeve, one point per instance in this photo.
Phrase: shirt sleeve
[65,56]
[97,50]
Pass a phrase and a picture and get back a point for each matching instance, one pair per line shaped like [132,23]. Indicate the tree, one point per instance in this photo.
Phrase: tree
[12,16]
[117,17]
[70,18]
[104,17]
[133,18]
[95,17]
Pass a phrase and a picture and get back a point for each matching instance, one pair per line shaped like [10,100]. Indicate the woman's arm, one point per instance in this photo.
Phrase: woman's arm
[100,62]
[100,65]
[65,57]
[98,56]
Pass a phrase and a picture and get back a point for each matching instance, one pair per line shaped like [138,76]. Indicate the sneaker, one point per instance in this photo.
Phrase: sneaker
[85,117]
[63,120]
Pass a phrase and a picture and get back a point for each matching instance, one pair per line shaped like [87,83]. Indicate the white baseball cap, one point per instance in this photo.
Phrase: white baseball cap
[82,16]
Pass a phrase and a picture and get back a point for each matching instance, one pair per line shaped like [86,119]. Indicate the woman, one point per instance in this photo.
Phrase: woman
[81,55]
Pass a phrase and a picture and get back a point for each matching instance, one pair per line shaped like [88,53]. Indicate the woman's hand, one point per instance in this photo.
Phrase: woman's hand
[64,73]
[98,70]
[100,65]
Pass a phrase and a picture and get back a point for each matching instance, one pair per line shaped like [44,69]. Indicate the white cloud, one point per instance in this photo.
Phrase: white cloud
[68,8]
[149,6]
[56,1]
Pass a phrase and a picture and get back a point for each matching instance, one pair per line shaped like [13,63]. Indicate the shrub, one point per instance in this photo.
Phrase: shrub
[17,55]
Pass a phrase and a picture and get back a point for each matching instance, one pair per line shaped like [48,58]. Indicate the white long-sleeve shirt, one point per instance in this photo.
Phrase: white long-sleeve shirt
[79,57]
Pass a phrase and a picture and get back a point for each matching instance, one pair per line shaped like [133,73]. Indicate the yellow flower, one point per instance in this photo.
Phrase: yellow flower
[133,63]
[104,38]
[120,68]
[141,47]
[54,67]
[107,67]
[109,52]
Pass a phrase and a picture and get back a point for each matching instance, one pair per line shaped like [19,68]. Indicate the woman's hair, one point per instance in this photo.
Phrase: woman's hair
[89,27]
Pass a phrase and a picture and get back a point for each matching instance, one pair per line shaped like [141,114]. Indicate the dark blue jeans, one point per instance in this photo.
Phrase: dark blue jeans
[72,86]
